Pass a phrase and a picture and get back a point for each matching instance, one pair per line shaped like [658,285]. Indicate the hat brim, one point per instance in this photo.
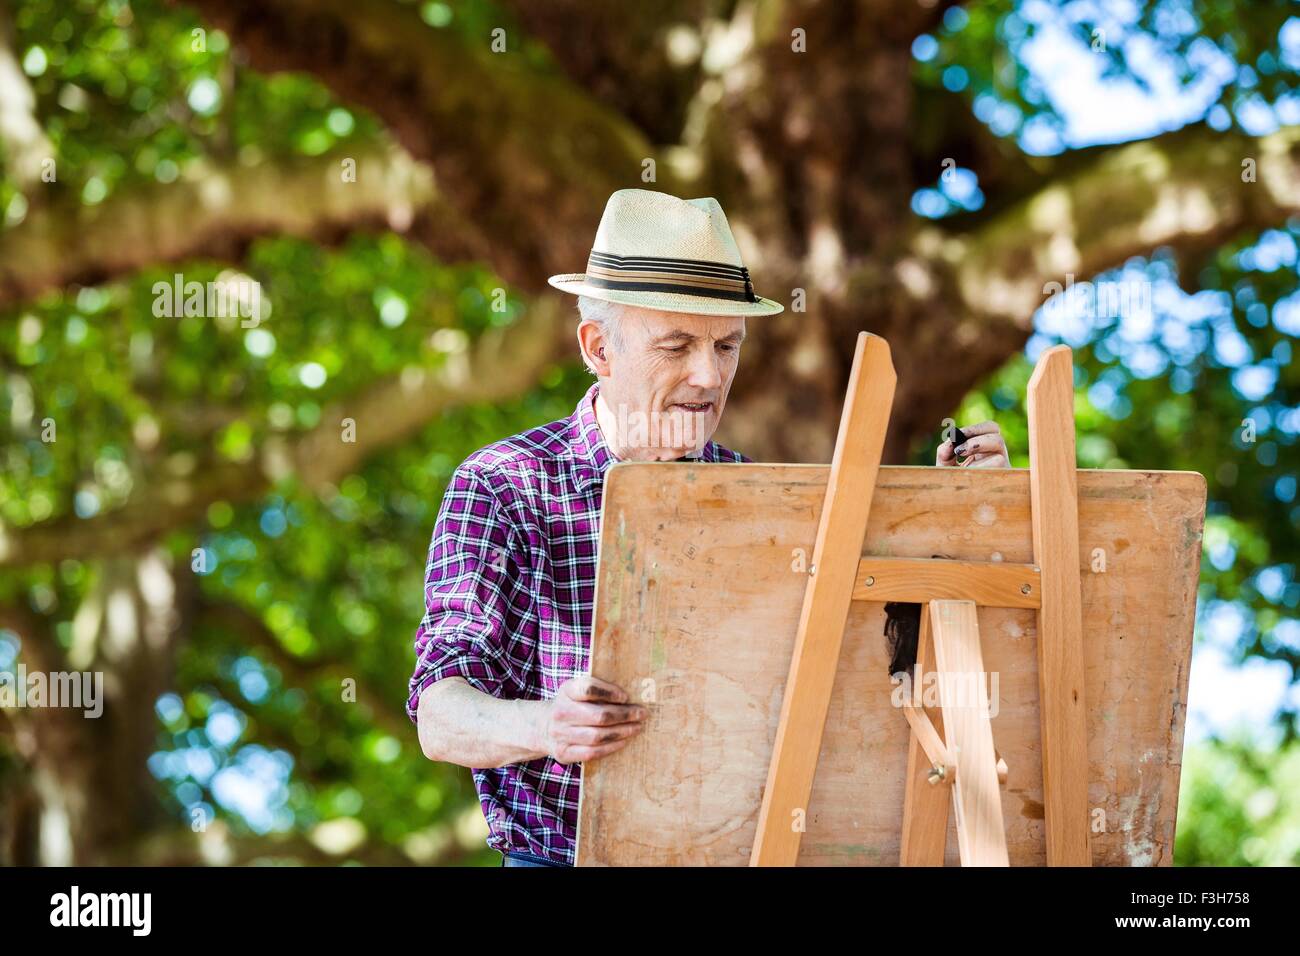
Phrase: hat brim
[576,284]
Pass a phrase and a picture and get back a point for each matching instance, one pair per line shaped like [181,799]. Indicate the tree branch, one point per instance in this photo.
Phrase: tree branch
[621,54]
[500,365]
[214,210]
[252,633]
[1183,190]
[523,153]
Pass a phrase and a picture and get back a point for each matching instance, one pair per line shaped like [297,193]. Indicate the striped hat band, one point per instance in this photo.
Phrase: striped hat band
[715,280]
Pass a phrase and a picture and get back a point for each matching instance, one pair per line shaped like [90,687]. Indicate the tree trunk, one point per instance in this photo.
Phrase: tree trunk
[90,775]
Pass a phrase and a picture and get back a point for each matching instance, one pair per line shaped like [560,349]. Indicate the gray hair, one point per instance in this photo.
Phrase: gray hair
[607,316]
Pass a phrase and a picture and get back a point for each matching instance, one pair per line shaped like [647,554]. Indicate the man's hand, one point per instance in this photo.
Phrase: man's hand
[983,448]
[589,718]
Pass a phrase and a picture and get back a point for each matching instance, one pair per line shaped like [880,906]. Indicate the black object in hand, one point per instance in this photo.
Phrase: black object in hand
[958,438]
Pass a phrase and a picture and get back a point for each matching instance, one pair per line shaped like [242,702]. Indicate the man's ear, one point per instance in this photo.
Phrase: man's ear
[593,345]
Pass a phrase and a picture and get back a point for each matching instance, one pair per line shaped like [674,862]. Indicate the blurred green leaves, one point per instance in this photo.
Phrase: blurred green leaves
[285,707]
[130,92]
[1238,805]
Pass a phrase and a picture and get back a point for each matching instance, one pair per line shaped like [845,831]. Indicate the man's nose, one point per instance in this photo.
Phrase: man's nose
[706,370]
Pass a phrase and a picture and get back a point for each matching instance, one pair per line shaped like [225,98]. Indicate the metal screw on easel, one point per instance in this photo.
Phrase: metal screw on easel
[1025,589]
[870,580]
[937,773]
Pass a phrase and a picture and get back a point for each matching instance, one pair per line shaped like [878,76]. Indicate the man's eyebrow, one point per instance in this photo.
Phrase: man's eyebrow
[675,334]
[683,335]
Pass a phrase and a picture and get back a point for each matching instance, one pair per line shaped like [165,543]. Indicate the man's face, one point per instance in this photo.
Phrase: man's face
[668,384]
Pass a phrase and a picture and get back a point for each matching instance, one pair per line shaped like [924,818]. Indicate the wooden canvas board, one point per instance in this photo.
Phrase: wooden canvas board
[701,580]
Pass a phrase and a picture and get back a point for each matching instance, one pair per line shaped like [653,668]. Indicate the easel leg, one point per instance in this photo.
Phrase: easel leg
[968,730]
[925,805]
[1054,500]
[829,594]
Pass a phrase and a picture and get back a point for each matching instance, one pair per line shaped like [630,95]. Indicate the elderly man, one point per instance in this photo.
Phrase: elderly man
[499,683]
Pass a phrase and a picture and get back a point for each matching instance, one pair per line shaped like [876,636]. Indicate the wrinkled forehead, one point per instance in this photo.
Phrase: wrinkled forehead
[654,325]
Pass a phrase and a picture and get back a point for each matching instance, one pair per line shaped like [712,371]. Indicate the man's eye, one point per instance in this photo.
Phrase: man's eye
[727,347]
[678,349]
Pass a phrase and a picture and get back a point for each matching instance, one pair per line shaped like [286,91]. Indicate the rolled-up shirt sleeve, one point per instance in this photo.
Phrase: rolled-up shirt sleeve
[470,579]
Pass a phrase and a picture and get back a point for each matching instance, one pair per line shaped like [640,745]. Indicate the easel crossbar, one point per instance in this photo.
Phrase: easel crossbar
[921,580]
[950,592]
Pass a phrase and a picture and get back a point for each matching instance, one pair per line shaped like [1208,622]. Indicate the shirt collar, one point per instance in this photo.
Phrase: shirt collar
[591,455]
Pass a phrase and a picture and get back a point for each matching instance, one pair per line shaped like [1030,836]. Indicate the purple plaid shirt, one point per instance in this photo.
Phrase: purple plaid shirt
[508,596]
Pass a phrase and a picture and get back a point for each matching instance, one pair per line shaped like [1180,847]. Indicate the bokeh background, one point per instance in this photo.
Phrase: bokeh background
[924,170]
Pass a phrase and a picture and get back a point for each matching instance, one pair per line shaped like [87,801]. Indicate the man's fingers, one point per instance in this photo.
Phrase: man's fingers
[601,715]
[586,687]
[982,445]
[595,736]
[981,438]
[619,714]
[580,753]
[997,460]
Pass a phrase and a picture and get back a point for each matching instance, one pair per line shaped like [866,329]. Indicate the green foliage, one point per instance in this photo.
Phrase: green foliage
[101,360]
[336,584]
[331,584]
[307,592]
[1237,805]
[978,51]
[137,93]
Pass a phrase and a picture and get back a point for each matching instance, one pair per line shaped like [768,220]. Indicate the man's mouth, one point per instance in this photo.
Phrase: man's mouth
[694,407]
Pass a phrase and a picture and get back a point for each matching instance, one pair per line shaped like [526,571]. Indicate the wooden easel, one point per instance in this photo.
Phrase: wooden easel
[953,749]
[742,605]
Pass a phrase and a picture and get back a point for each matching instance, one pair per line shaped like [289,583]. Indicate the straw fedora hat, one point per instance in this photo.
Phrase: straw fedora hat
[659,252]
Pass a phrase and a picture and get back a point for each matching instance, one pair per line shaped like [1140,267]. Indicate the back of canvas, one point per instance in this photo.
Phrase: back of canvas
[702,575]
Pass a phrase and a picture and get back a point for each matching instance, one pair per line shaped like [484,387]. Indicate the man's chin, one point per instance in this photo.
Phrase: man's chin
[679,453]
[674,452]
[686,432]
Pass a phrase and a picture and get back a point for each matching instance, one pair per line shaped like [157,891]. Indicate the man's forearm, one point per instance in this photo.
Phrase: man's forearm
[460,724]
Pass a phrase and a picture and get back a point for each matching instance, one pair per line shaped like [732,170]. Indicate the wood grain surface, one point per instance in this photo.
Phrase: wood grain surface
[701,582]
